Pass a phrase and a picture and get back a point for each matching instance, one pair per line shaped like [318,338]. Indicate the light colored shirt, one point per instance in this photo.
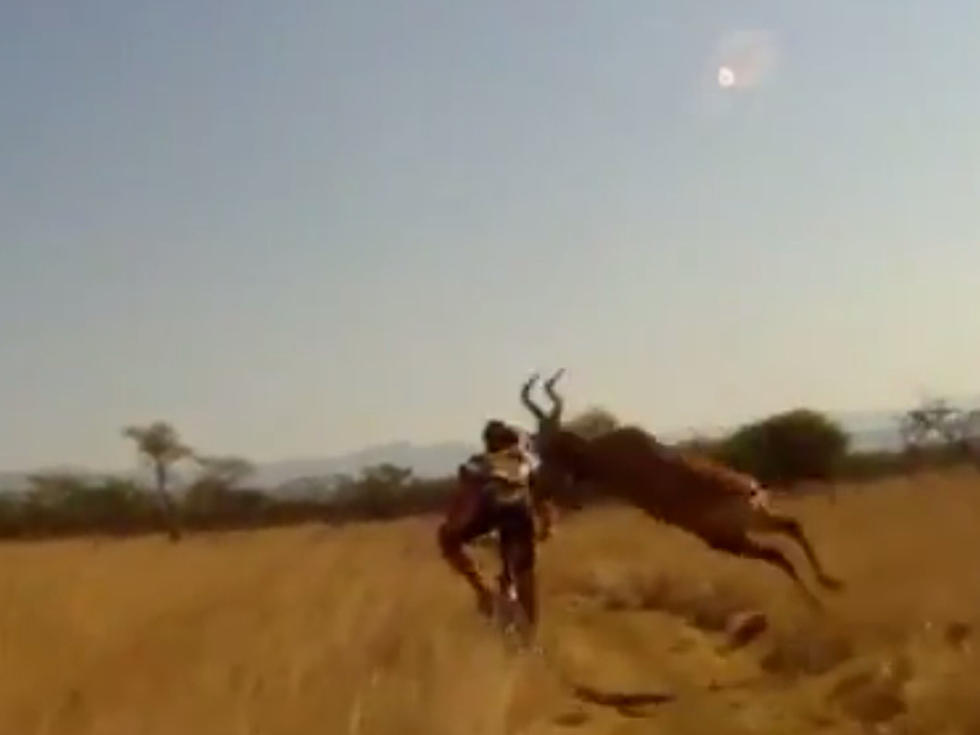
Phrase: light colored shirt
[507,473]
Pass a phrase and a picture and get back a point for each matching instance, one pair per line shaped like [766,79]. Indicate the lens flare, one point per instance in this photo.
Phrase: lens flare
[745,59]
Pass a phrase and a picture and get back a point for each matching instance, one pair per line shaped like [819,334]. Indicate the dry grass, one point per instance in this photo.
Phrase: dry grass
[362,630]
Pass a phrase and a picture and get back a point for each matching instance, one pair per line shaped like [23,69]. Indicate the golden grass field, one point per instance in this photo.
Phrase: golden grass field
[363,630]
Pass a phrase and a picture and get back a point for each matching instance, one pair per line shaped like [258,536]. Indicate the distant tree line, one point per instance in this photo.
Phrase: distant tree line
[60,504]
[782,450]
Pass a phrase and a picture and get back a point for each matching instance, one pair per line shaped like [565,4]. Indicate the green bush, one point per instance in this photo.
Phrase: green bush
[788,447]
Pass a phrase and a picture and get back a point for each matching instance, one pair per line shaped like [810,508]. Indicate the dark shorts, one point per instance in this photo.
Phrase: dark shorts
[514,525]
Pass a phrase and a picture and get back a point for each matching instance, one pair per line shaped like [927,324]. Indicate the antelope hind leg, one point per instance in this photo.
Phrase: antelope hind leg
[745,547]
[791,527]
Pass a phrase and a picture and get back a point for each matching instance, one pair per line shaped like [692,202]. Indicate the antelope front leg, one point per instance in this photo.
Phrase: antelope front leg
[745,547]
[792,528]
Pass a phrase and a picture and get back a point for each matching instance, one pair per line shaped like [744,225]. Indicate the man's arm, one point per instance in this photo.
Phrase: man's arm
[473,470]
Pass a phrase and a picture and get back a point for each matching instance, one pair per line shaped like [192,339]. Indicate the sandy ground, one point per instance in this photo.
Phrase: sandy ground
[363,630]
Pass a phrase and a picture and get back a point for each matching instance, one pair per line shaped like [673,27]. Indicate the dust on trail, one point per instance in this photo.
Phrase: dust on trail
[363,630]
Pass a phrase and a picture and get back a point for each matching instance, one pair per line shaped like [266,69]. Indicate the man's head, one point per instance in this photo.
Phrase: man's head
[497,435]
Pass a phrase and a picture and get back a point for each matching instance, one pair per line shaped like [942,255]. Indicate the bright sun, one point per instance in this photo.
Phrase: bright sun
[726,77]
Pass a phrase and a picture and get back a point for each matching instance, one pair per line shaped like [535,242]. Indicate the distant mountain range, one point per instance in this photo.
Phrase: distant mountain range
[869,430]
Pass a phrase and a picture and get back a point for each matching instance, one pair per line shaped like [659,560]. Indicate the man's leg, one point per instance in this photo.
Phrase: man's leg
[466,518]
[517,553]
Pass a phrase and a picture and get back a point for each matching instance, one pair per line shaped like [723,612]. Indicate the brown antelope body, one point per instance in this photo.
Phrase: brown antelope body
[713,502]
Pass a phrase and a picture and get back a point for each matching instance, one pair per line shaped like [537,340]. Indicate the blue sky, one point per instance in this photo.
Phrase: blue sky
[297,228]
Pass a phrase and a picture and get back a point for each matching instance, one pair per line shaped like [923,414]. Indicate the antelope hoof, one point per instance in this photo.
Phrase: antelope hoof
[830,583]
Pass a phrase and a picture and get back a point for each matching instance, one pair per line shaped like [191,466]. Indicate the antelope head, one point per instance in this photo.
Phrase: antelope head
[563,457]
[549,422]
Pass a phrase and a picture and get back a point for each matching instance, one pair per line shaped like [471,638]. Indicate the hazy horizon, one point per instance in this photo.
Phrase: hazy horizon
[302,229]
[868,431]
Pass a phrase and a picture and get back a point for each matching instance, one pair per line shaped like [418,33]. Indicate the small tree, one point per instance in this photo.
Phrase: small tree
[380,488]
[160,445]
[937,424]
[787,447]
[218,480]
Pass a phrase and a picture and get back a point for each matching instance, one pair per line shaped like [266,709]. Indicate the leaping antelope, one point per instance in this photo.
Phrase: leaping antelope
[713,502]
